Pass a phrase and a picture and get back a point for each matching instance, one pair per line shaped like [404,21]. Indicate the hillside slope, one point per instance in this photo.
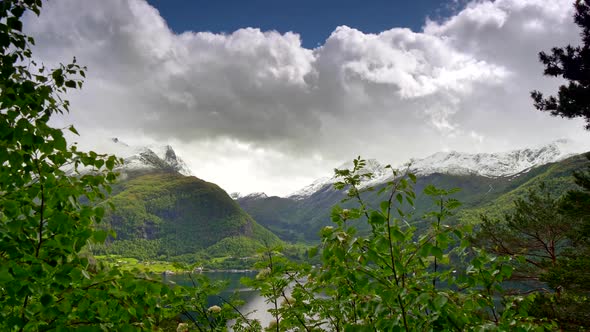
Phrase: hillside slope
[556,176]
[300,217]
[160,212]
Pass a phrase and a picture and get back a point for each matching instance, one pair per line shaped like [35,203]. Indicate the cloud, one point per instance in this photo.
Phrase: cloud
[254,98]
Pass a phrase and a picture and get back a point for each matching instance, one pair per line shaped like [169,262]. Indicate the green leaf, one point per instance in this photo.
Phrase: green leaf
[100,236]
[5,275]
[440,301]
[110,163]
[506,271]
[11,208]
[376,218]
[14,23]
[313,252]
[46,300]
[397,235]
[73,130]
[60,143]
[384,206]
[58,77]
[431,190]
[399,198]
[425,250]
[453,204]
[436,252]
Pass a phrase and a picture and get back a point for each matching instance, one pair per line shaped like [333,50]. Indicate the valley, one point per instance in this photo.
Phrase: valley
[473,213]
[488,183]
[163,213]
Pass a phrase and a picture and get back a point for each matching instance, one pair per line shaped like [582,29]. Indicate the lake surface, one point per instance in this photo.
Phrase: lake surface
[255,306]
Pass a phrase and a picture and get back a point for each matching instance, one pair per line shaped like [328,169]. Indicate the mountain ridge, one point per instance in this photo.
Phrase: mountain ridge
[146,157]
[301,219]
[498,164]
[162,210]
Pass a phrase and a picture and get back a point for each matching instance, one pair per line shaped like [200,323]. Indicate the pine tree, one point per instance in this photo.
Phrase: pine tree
[576,203]
[573,64]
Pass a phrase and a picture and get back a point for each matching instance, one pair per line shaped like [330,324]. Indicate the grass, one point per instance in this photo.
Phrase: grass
[133,264]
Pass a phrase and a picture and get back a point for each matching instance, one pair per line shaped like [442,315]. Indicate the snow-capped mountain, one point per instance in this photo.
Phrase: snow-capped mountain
[312,188]
[256,195]
[501,164]
[380,174]
[147,157]
[235,195]
[495,164]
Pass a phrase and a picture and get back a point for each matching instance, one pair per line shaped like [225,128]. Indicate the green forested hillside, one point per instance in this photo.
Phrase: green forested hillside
[301,220]
[165,214]
[556,176]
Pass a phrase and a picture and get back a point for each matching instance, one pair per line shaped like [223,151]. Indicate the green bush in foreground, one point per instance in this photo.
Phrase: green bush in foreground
[47,212]
[394,279]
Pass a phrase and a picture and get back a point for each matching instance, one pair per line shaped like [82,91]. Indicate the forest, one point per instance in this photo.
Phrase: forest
[392,276]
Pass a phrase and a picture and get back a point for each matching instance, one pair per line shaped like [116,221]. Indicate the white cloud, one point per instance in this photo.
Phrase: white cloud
[255,111]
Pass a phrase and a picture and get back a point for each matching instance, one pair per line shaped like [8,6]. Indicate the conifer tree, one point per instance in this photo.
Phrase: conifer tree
[573,64]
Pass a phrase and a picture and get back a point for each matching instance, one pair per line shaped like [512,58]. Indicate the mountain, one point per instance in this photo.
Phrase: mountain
[489,182]
[146,158]
[380,174]
[161,212]
[503,164]
[256,195]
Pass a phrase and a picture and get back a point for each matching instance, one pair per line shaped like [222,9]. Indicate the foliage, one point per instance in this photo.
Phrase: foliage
[393,279]
[276,273]
[557,178]
[536,231]
[547,245]
[237,246]
[198,314]
[47,188]
[573,64]
[576,204]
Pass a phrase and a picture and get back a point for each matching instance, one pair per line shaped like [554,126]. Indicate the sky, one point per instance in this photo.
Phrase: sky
[313,20]
[270,95]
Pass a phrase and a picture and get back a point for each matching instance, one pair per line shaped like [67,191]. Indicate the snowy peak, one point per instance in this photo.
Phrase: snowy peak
[311,188]
[501,164]
[372,166]
[148,157]
[175,162]
[256,195]
[495,164]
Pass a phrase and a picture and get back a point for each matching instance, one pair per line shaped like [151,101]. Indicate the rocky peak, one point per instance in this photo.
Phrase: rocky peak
[148,157]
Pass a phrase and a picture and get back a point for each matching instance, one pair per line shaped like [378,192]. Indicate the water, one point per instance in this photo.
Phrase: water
[255,306]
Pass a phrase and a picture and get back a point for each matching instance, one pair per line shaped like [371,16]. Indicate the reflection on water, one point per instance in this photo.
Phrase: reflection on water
[255,306]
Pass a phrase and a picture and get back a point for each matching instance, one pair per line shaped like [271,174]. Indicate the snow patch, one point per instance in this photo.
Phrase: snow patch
[500,164]
[503,164]
[373,166]
[256,195]
[146,157]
